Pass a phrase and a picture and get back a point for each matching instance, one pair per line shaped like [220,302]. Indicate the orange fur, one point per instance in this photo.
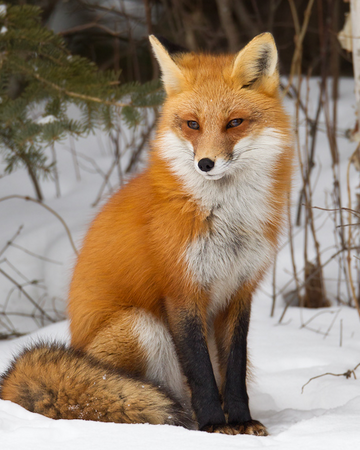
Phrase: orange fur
[155,276]
[131,254]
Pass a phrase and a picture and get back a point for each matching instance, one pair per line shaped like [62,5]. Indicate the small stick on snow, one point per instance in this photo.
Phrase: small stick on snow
[346,374]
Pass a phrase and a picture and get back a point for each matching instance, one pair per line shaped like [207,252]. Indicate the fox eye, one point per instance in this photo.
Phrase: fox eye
[234,123]
[193,125]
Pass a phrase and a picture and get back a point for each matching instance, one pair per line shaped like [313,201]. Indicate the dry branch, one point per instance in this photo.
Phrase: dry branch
[348,374]
[22,290]
[299,37]
[10,197]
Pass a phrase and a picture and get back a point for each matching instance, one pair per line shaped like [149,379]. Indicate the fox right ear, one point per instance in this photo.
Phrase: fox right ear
[256,64]
[172,76]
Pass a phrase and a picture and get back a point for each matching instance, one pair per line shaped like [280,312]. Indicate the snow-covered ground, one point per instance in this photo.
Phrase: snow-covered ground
[284,356]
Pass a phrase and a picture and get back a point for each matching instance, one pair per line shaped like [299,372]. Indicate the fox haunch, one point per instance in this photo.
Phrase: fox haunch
[163,285]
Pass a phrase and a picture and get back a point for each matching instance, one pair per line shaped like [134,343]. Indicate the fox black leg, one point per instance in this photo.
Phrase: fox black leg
[236,400]
[235,396]
[190,342]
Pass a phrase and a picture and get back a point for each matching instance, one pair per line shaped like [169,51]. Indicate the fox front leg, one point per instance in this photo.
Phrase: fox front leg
[231,329]
[188,332]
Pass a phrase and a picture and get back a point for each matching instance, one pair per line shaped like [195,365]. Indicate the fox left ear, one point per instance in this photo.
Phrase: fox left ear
[256,64]
[172,76]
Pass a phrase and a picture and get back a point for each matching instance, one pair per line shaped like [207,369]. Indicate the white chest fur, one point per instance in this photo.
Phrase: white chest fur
[234,249]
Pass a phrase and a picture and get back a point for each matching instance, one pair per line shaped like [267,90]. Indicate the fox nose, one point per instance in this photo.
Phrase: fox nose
[206,164]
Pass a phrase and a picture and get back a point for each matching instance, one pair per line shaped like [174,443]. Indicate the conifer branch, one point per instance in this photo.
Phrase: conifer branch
[70,93]
[38,73]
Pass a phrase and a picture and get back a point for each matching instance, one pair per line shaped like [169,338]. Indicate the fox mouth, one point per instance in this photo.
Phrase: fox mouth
[213,176]
[216,173]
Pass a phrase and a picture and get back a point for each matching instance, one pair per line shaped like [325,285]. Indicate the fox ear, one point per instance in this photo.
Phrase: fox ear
[257,63]
[172,76]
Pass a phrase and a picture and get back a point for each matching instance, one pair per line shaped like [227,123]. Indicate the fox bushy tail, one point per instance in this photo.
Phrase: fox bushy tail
[63,383]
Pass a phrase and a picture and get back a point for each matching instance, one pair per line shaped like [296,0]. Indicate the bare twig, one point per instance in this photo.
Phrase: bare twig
[348,258]
[341,332]
[144,139]
[332,323]
[343,208]
[273,288]
[12,239]
[20,274]
[55,170]
[296,61]
[304,325]
[104,183]
[10,197]
[314,273]
[11,244]
[291,243]
[348,374]
[22,290]
[74,157]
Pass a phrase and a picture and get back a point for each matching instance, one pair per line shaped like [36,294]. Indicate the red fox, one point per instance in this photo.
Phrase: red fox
[160,299]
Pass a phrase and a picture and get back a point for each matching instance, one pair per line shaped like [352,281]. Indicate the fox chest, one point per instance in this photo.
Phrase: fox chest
[232,251]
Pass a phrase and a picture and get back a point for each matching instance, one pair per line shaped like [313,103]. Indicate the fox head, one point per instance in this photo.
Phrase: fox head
[221,109]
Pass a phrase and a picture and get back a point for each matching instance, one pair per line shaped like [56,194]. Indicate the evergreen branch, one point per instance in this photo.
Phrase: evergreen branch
[39,73]
[70,93]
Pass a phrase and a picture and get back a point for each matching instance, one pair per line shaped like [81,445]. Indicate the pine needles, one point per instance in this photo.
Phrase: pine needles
[40,79]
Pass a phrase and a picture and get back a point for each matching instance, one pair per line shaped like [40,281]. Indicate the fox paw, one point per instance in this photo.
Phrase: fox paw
[222,429]
[251,427]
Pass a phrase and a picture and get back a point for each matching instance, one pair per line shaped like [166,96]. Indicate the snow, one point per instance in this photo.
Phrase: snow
[47,119]
[284,356]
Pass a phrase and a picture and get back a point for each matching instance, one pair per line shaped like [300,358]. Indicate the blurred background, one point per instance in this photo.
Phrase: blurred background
[113,33]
